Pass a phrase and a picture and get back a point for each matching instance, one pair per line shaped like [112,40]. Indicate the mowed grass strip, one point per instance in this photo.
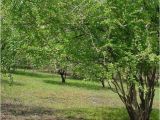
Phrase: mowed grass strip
[75,100]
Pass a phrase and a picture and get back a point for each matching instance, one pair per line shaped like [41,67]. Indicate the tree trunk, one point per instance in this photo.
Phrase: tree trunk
[137,115]
[103,83]
[63,78]
[10,71]
[142,110]
[63,75]
[10,79]
[138,101]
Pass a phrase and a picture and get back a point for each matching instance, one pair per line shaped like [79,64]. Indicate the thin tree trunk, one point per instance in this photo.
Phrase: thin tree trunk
[103,83]
[10,79]
[138,110]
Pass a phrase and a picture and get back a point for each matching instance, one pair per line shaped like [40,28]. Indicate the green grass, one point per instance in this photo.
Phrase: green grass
[37,95]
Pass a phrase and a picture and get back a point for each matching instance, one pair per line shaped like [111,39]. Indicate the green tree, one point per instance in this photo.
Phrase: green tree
[32,34]
[115,40]
[122,38]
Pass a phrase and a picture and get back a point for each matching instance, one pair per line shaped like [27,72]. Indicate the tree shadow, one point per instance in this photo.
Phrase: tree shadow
[13,83]
[95,113]
[33,74]
[77,84]
[20,111]
[101,113]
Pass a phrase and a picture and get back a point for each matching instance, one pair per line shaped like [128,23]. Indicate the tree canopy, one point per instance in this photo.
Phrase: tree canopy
[111,40]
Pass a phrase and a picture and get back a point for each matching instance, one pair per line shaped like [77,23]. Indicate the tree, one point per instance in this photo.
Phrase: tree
[122,38]
[92,72]
[32,31]
[61,62]
[119,40]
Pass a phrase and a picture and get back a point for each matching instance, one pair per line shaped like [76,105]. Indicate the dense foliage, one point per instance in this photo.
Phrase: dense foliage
[111,40]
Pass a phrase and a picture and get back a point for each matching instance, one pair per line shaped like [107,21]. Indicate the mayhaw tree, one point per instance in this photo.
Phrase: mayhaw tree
[122,38]
[32,31]
[11,43]
[19,45]
[91,71]
[61,61]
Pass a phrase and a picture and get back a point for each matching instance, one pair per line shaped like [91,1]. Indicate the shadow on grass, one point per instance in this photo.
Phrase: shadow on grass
[64,114]
[77,84]
[23,112]
[14,83]
[10,111]
[32,74]
[101,113]
[95,113]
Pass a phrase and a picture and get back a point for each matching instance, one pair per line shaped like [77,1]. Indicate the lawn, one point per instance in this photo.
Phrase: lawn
[41,96]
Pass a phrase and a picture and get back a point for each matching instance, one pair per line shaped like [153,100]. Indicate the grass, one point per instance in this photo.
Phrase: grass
[36,95]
